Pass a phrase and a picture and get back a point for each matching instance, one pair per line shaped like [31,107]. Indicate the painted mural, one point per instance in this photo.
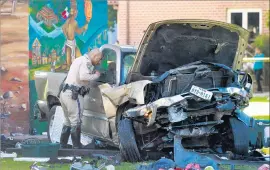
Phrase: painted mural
[60,31]
[14,100]
[43,35]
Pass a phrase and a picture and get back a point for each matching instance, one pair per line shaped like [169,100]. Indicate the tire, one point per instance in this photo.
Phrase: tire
[127,142]
[50,120]
[240,136]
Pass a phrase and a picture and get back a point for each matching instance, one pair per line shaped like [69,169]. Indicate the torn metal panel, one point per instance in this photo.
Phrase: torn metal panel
[115,96]
[152,107]
[176,114]
[194,132]
[121,94]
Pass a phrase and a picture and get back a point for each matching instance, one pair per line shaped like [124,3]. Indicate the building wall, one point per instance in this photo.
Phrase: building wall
[142,13]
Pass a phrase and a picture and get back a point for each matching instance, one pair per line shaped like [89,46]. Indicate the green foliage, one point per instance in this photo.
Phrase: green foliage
[112,17]
[262,42]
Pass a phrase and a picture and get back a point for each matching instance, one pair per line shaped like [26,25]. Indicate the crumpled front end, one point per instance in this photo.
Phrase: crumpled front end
[208,96]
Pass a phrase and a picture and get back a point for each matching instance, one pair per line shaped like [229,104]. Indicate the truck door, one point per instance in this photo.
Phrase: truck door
[95,122]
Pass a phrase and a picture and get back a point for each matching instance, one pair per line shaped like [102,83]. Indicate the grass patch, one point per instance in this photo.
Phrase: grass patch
[9,164]
[259,99]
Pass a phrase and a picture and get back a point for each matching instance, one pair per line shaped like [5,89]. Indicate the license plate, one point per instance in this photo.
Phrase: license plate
[202,93]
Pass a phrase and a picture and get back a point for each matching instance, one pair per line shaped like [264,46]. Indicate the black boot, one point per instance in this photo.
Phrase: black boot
[76,137]
[65,136]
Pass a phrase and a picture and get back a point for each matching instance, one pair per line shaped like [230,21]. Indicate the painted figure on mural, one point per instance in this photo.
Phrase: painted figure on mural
[70,28]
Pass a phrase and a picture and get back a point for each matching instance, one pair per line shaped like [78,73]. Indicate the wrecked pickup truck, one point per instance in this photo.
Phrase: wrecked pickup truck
[185,81]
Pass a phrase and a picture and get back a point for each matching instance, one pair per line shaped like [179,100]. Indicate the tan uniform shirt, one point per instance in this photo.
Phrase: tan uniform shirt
[81,72]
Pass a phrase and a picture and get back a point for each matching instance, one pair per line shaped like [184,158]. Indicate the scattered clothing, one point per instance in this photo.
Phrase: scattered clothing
[264,167]
[163,163]
[193,167]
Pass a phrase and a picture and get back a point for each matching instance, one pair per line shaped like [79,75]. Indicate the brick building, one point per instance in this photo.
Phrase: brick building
[135,16]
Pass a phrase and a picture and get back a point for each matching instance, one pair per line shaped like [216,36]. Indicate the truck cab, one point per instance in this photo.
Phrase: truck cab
[114,68]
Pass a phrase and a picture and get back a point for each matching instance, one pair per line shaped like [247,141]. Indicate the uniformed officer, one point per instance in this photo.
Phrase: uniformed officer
[71,97]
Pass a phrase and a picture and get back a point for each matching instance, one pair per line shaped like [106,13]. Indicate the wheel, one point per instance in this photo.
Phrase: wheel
[51,119]
[50,123]
[127,142]
[240,136]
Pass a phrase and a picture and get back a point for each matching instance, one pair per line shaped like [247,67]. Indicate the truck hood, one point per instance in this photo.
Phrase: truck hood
[173,43]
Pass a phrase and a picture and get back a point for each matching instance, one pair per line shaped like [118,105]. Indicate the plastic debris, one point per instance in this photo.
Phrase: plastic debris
[35,167]
[81,166]
[18,145]
[29,159]
[8,95]
[23,106]
[110,167]
[3,69]
[193,167]
[8,155]
[209,168]
[264,167]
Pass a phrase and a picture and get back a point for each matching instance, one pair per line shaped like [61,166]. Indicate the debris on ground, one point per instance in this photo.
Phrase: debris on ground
[16,79]
[3,69]
[163,163]
[34,166]
[8,155]
[8,95]
[193,167]
[82,166]
[264,167]
[23,106]
[29,159]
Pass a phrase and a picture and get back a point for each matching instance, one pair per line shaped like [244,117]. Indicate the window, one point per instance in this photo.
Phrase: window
[127,63]
[250,19]
[237,18]
[107,67]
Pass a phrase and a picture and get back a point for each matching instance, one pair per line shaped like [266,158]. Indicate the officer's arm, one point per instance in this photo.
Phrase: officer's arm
[85,74]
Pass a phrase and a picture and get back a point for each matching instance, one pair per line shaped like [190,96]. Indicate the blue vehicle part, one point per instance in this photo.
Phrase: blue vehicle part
[226,106]
[249,121]
[183,157]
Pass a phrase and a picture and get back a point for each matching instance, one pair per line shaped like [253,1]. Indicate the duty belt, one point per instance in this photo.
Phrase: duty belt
[80,90]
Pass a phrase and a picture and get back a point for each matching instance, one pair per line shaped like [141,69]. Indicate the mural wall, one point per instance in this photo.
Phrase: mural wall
[14,99]
[60,31]
[42,36]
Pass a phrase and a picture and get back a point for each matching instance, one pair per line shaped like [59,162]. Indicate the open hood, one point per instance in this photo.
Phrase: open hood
[173,43]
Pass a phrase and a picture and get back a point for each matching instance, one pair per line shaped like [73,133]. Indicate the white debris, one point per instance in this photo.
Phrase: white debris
[8,95]
[20,87]
[3,69]
[110,167]
[8,155]
[29,159]
[23,106]
[16,79]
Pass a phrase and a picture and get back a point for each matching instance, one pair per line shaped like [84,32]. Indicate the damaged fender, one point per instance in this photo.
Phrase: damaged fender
[115,96]
[152,108]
